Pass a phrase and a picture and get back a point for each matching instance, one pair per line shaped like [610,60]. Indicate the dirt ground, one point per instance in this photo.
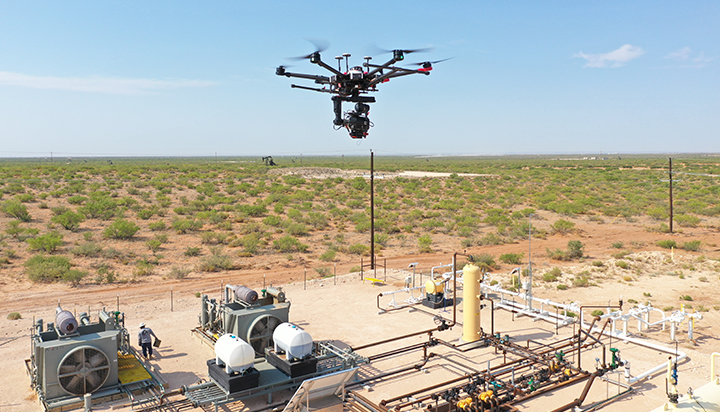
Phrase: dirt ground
[656,275]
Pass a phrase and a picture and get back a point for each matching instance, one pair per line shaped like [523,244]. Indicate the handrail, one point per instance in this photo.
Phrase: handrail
[712,368]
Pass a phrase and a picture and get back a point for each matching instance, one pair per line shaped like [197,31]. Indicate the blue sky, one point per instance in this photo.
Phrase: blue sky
[176,78]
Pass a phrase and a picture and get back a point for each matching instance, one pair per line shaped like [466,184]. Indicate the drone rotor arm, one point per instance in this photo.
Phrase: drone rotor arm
[396,72]
[329,68]
[316,78]
[296,86]
[377,68]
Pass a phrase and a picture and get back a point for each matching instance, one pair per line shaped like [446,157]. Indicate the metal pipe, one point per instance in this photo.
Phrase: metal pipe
[409,335]
[386,374]
[397,351]
[712,365]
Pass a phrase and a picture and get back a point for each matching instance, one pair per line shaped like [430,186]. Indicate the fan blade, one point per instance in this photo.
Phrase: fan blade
[76,385]
[273,323]
[94,380]
[99,359]
[259,327]
[66,369]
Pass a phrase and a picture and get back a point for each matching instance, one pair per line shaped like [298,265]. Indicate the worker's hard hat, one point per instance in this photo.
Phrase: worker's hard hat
[142,325]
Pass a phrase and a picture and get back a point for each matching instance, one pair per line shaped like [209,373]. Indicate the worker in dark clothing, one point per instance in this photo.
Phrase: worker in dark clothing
[145,340]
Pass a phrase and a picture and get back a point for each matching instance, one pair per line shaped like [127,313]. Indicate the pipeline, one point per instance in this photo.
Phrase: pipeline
[409,301]
[417,366]
[409,335]
[583,395]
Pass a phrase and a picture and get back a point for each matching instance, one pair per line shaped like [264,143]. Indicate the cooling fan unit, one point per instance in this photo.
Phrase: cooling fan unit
[83,370]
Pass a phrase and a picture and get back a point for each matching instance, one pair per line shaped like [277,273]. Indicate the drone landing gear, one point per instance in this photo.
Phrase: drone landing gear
[355,121]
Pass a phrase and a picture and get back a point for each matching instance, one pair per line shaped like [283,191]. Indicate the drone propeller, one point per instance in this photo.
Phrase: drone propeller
[407,51]
[429,64]
[320,46]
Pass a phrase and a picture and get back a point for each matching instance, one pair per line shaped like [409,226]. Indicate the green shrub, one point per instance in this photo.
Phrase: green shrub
[157,226]
[687,220]
[563,226]
[272,220]
[87,249]
[618,245]
[667,243]
[575,249]
[324,272]
[49,242]
[178,272]
[121,229]
[557,254]
[328,256]
[41,268]
[186,225]
[581,281]
[686,298]
[490,239]
[358,249]
[104,273]
[597,312]
[692,246]
[215,263]
[562,287]
[511,258]
[192,251]
[143,268]
[14,208]
[99,207]
[251,242]
[153,245]
[296,229]
[69,220]
[552,275]
[598,263]
[621,254]
[288,243]
[424,243]
[76,200]
[622,264]
[484,261]
[74,276]
[146,213]
[14,316]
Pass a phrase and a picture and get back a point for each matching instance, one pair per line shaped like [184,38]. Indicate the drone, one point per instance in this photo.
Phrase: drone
[353,85]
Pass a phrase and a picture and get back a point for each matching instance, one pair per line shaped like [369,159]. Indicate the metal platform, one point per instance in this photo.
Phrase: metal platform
[130,369]
[271,381]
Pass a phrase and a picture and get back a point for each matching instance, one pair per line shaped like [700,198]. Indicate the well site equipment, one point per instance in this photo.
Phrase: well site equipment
[242,323]
[74,363]
[244,313]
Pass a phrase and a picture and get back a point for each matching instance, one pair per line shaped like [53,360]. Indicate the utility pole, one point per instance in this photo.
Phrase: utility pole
[529,288]
[671,198]
[372,212]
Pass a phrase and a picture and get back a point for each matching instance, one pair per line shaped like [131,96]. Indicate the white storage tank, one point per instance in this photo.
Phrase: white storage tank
[293,340]
[234,353]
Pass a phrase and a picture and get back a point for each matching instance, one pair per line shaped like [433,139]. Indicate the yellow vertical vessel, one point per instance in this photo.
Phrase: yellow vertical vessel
[471,303]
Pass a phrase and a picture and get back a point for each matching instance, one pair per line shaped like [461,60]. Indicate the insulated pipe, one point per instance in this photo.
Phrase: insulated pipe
[471,303]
